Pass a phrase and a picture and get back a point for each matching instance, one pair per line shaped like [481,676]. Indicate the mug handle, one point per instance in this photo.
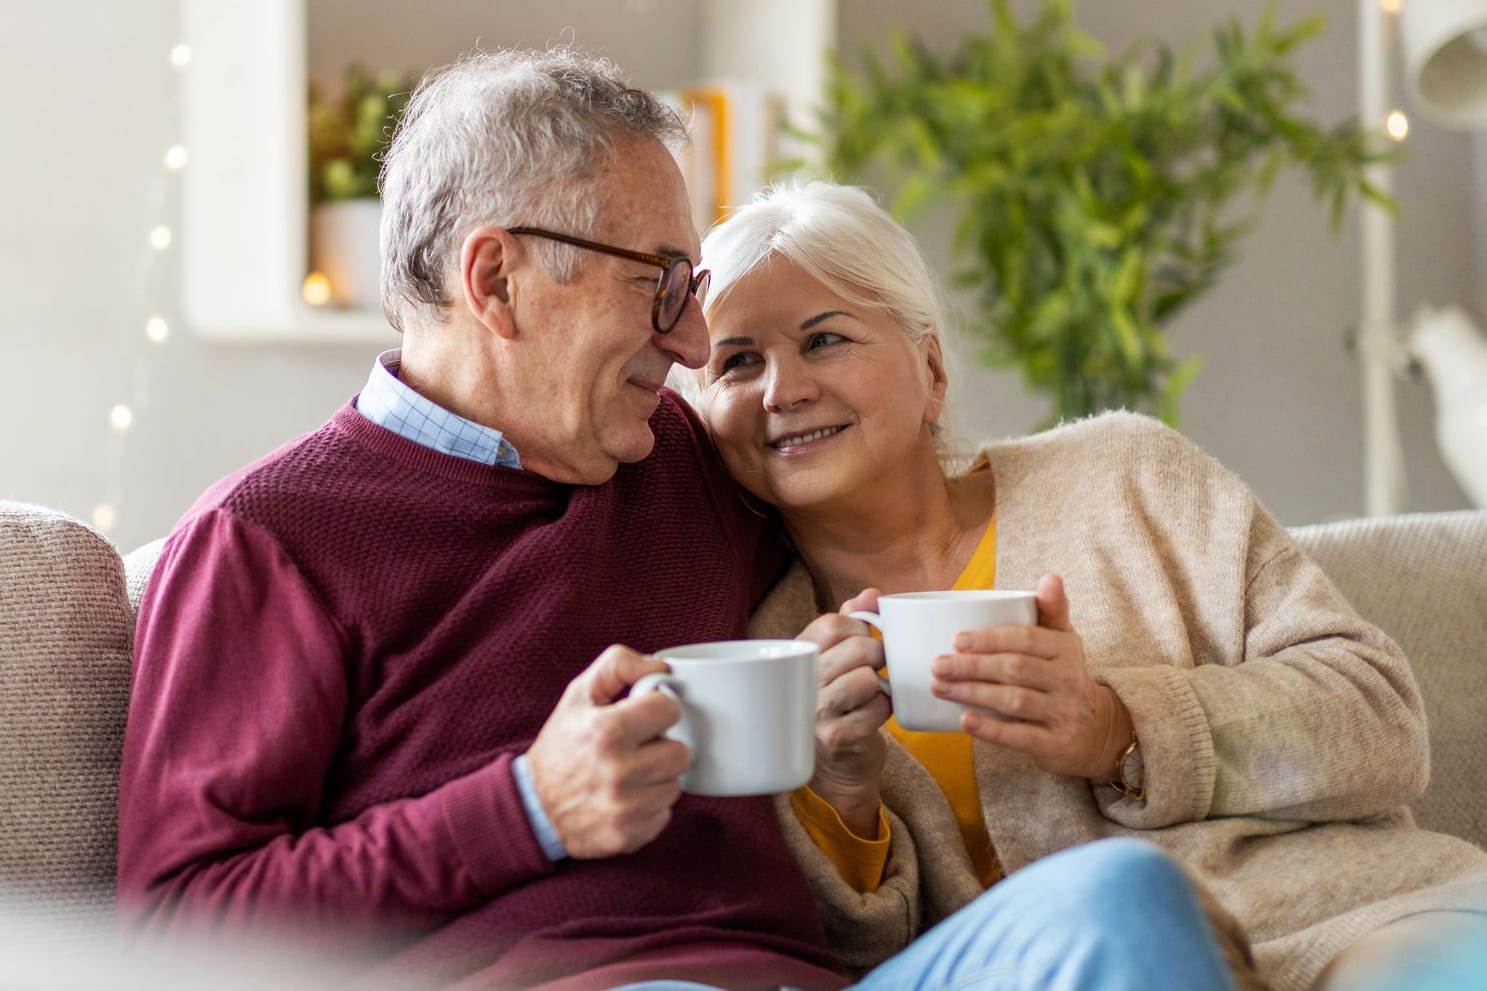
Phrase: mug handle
[666,684]
[876,622]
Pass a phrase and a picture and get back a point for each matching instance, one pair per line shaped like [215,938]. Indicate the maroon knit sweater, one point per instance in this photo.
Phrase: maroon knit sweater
[341,650]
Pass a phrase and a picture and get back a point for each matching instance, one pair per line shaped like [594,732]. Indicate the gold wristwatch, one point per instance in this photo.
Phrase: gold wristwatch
[1130,776]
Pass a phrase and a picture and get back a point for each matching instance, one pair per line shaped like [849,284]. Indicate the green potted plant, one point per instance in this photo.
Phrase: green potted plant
[1095,195]
[347,132]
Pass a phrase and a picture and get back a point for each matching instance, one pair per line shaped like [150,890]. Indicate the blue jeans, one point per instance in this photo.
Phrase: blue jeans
[1117,915]
[1107,916]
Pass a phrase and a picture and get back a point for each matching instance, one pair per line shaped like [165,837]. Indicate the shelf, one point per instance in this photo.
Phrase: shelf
[244,202]
[244,197]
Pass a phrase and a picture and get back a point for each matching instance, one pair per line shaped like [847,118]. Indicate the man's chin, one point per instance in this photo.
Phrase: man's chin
[634,449]
[602,466]
[593,463]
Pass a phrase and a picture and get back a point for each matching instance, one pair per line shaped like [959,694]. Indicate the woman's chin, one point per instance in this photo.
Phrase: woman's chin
[802,495]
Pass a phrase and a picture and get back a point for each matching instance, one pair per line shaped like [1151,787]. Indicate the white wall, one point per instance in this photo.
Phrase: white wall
[92,109]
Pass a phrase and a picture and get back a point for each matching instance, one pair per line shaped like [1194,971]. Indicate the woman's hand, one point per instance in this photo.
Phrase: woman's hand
[850,708]
[1035,680]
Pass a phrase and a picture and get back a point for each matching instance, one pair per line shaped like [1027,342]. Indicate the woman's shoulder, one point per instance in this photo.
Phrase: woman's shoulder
[1116,436]
[1119,459]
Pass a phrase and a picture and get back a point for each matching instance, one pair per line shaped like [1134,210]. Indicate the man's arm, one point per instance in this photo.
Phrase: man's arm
[237,709]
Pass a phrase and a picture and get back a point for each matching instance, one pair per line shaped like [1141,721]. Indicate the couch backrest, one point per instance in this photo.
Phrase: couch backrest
[138,564]
[1423,579]
[66,630]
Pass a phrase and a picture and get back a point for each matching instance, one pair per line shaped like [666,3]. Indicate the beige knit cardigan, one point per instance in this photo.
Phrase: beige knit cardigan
[1282,734]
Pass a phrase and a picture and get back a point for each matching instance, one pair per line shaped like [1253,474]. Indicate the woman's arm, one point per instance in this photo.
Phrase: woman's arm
[866,927]
[1275,698]
[1317,717]
[1252,686]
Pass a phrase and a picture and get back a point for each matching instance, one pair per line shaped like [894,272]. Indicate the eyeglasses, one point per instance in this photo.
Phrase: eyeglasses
[676,282]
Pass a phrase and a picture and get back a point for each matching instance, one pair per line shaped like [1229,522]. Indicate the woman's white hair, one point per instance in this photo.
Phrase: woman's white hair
[842,238]
[503,138]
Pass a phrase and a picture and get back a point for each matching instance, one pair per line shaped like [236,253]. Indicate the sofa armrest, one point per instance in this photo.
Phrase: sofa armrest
[1423,579]
[66,632]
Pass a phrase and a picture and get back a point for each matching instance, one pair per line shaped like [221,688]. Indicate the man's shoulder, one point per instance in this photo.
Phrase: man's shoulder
[683,455]
[685,480]
[679,424]
[286,474]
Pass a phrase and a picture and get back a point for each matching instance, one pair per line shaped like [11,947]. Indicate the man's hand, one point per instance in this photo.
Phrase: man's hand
[606,776]
[850,708]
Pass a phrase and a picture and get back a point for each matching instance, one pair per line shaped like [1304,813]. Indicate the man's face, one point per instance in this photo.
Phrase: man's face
[592,359]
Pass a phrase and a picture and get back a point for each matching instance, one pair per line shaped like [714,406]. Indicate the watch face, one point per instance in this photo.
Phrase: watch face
[1131,768]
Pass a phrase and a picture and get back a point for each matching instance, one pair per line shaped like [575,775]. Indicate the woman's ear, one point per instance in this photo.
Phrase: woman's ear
[487,259]
[938,377]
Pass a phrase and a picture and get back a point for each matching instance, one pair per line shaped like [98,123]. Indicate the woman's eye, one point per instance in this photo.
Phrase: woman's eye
[823,339]
[736,360]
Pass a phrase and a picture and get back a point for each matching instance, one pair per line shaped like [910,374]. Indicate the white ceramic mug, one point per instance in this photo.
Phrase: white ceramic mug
[748,713]
[917,627]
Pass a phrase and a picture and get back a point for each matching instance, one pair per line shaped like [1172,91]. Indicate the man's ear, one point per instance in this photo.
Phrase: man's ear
[488,258]
[939,378]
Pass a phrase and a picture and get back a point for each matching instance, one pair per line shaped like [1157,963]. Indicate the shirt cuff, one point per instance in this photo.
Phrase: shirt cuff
[547,833]
[860,862]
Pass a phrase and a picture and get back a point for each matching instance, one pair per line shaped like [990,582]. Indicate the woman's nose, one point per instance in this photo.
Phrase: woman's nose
[787,386]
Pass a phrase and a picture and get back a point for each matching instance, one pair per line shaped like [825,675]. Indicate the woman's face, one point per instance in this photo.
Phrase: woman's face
[810,397]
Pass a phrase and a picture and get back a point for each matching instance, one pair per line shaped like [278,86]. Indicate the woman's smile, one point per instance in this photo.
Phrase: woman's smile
[804,442]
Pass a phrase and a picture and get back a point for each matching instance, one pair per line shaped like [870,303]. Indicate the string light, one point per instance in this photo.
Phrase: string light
[1397,125]
[316,289]
[104,517]
[147,283]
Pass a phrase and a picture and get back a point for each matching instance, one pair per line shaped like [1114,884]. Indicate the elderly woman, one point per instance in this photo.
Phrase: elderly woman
[1193,679]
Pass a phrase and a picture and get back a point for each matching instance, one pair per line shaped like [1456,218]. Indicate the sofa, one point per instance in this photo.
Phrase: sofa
[68,599]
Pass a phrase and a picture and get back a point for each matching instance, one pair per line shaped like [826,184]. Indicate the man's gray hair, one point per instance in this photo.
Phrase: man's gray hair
[503,138]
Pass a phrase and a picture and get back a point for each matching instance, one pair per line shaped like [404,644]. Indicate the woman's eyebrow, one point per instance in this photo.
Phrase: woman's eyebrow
[822,316]
[734,342]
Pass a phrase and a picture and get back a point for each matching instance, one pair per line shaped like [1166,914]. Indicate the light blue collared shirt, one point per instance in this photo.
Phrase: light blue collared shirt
[388,402]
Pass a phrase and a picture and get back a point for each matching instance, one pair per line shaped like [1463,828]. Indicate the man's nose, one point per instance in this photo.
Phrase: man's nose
[687,341]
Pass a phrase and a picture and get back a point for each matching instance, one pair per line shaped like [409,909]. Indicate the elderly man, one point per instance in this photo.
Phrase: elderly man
[374,693]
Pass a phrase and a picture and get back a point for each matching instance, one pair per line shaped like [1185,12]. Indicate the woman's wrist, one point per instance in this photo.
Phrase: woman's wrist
[858,805]
[1119,731]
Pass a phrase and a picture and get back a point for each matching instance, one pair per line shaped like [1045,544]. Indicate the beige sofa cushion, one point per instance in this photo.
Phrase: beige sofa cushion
[66,630]
[138,564]
[1423,579]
